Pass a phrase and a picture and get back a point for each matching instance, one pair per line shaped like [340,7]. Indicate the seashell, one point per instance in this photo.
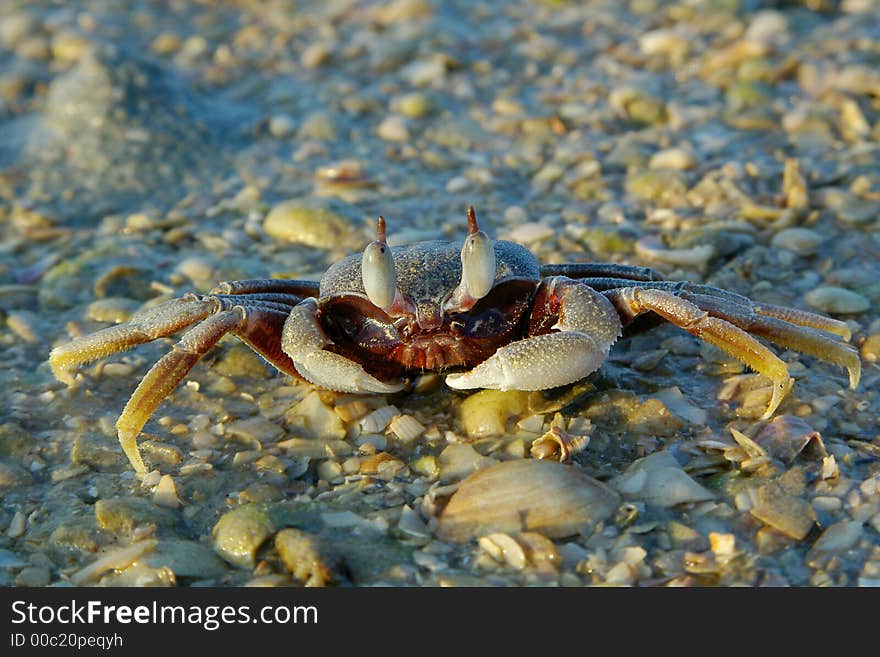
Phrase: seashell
[458,461]
[695,256]
[787,436]
[783,511]
[503,548]
[558,445]
[304,557]
[659,480]
[378,420]
[485,413]
[240,532]
[526,495]
[116,559]
[406,428]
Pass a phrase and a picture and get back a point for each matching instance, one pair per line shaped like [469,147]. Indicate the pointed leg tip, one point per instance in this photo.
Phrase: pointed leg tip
[780,390]
[855,375]
[128,441]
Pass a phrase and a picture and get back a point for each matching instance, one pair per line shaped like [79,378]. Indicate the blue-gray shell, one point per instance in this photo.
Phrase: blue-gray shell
[429,270]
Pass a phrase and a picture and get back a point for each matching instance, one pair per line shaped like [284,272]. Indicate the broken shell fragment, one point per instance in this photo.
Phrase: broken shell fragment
[786,513]
[787,436]
[659,480]
[526,495]
[302,555]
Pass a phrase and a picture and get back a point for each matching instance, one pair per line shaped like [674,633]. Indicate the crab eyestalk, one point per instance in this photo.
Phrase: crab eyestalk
[377,270]
[477,260]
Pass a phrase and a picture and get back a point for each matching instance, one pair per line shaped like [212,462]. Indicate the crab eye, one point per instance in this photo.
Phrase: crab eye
[477,260]
[377,270]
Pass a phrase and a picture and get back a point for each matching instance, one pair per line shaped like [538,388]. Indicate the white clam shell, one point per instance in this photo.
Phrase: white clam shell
[526,495]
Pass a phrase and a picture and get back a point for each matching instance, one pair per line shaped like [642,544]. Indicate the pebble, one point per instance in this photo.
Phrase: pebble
[838,300]
[13,476]
[673,158]
[33,576]
[414,105]
[291,221]
[316,54]
[393,128]
[802,241]
[282,126]
[112,310]
[870,349]
[240,532]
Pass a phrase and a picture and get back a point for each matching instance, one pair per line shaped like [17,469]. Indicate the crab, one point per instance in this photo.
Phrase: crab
[484,312]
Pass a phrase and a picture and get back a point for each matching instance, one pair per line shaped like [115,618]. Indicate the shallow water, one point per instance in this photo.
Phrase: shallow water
[142,149]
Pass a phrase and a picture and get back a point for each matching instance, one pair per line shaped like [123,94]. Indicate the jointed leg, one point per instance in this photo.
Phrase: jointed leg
[164,376]
[255,311]
[633,301]
[601,270]
[801,336]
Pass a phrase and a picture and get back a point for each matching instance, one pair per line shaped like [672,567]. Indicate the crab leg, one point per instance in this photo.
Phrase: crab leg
[598,270]
[792,328]
[145,326]
[585,328]
[164,376]
[633,301]
[801,336]
[263,286]
[304,341]
[258,325]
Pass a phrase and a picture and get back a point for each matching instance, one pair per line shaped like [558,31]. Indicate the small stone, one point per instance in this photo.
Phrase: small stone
[316,54]
[659,480]
[17,525]
[166,43]
[305,557]
[458,461]
[838,300]
[123,515]
[239,533]
[281,126]
[13,476]
[166,493]
[663,186]
[68,46]
[33,576]
[186,559]
[871,348]
[802,241]
[319,126]
[531,232]
[673,158]
[838,537]
[393,128]
[415,105]
[111,309]
[291,221]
